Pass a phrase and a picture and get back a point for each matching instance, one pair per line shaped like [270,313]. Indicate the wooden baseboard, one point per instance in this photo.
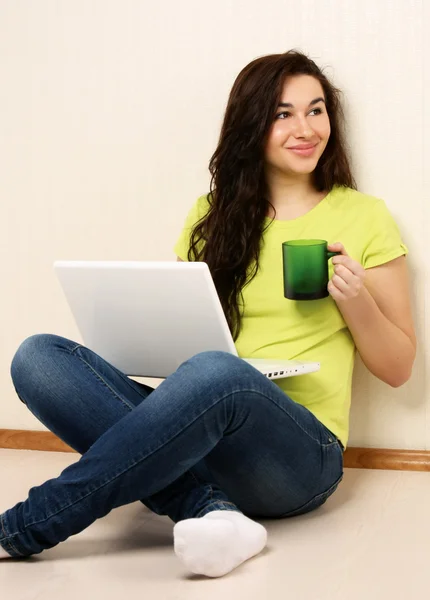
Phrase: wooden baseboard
[384,458]
[355,458]
[21,439]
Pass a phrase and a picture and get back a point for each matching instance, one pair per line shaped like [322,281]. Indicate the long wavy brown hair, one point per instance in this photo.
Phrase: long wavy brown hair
[228,236]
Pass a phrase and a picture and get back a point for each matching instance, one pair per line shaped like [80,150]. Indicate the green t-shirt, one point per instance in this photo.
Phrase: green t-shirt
[313,330]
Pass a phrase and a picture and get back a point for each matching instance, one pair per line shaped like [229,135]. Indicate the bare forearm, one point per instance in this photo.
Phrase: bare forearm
[384,348]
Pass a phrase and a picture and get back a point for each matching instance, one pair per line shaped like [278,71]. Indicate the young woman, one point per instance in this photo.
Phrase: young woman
[217,443]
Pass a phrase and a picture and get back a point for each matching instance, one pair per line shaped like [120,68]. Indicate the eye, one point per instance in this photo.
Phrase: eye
[317,111]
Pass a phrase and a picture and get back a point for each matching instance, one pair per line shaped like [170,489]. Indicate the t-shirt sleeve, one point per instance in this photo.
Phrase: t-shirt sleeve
[384,242]
[199,209]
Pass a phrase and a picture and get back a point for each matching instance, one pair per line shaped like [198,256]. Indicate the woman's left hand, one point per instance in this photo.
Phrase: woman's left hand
[348,278]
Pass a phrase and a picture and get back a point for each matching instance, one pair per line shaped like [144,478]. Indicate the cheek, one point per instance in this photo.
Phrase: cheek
[325,130]
[278,136]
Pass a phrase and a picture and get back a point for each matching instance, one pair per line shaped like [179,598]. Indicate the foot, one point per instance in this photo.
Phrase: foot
[218,542]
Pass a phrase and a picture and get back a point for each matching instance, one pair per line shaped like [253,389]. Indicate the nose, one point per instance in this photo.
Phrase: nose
[302,128]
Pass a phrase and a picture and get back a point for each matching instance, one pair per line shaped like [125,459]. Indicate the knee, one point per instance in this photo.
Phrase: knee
[31,361]
[214,356]
[216,364]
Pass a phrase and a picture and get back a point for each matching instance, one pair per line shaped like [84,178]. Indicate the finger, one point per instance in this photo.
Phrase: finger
[341,284]
[346,273]
[355,267]
[334,292]
[348,262]
[338,247]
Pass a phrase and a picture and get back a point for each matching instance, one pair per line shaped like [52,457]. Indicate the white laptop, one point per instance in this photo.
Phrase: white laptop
[147,318]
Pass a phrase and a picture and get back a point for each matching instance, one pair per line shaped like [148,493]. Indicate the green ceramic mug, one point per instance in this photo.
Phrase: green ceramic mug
[306,269]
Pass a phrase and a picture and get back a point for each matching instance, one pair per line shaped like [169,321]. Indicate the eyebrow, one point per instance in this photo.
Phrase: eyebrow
[288,105]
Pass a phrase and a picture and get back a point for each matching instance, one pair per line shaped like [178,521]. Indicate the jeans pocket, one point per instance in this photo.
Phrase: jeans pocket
[315,502]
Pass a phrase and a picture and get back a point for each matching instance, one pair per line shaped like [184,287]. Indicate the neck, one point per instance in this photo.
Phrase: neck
[290,190]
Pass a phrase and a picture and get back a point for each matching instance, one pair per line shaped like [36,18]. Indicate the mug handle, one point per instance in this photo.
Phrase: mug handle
[331,254]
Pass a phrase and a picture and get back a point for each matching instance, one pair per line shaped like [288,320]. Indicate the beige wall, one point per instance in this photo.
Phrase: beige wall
[110,111]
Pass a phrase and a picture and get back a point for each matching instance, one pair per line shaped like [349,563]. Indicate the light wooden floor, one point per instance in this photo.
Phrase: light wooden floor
[370,541]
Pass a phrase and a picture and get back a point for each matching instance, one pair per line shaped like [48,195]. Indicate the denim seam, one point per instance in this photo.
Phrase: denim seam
[156,450]
[101,380]
[328,492]
[124,377]
[7,538]
[291,417]
[72,351]
[200,482]
[196,479]
[216,502]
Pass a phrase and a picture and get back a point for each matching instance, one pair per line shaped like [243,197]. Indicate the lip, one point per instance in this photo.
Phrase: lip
[303,150]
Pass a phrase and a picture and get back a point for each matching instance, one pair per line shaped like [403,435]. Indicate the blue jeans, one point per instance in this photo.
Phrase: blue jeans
[214,435]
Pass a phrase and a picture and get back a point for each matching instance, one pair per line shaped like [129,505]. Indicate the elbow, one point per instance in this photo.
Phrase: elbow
[401,373]
[394,380]
[398,381]
[400,377]
[397,371]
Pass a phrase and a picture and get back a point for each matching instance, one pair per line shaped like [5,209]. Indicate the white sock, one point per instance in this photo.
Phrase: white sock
[4,554]
[218,542]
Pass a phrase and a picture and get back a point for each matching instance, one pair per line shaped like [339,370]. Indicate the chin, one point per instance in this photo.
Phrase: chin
[303,165]
[305,170]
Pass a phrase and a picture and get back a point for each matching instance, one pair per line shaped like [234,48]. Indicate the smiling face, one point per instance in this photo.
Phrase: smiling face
[301,129]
